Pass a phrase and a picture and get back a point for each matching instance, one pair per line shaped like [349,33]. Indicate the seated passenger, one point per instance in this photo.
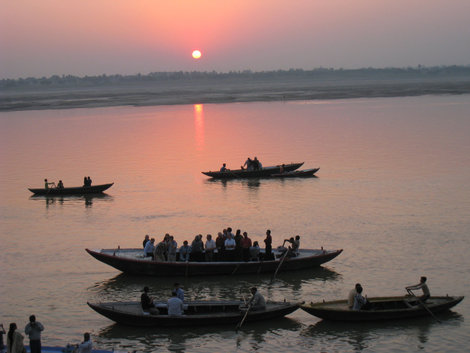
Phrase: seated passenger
[210,248]
[360,302]
[60,185]
[254,252]
[257,301]
[175,305]
[147,302]
[149,248]
[185,250]
[197,248]
[352,294]
[223,168]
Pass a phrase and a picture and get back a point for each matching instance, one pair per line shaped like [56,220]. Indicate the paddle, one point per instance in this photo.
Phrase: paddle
[244,317]
[424,306]
[280,264]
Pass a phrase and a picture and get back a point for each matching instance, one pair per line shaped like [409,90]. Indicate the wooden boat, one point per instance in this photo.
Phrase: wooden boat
[383,308]
[305,173]
[78,190]
[132,261]
[261,173]
[196,313]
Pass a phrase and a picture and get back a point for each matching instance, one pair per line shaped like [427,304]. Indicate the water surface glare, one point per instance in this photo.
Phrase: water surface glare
[393,192]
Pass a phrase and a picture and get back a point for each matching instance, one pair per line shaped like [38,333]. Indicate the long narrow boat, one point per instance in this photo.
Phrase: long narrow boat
[132,261]
[78,190]
[261,173]
[197,313]
[383,308]
[305,173]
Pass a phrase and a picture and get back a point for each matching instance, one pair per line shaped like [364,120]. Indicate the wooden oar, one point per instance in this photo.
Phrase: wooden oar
[244,318]
[424,306]
[280,264]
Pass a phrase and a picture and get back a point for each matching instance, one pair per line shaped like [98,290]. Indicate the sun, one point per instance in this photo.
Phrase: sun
[196,54]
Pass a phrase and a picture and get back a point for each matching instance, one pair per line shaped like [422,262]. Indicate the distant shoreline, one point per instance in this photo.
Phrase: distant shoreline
[204,88]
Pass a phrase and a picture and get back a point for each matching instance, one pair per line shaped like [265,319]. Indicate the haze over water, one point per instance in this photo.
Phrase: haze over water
[392,191]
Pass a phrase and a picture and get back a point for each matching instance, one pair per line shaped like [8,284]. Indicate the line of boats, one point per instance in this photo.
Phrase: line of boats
[214,312]
[289,170]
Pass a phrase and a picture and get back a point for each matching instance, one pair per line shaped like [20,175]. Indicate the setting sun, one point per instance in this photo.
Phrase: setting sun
[196,54]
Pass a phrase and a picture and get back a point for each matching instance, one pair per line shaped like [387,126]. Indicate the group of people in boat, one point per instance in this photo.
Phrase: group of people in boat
[60,185]
[175,304]
[358,301]
[51,185]
[250,164]
[226,247]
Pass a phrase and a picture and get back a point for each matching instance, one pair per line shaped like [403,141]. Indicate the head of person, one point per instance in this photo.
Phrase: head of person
[291,239]
[255,243]
[229,230]
[176,285]
[152,240]
[245,234]
[147,236]
[423,279]
[45,180]
[208,237]
[13,327]
[268,232]
[357,286]
[297,237]
[86,336]
[238,232]
[359,289]
[253,290]
[220,235]
[224,164]
[32,319]
[146,289]
[185,243]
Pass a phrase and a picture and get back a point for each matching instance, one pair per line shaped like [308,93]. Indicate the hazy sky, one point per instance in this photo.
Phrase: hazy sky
[92,37]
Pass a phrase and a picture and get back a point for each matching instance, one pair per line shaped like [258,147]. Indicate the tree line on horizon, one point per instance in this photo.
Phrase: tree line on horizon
[318,73]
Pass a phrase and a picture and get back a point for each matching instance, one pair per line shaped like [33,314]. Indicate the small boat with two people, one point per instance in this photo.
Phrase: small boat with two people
[196,313]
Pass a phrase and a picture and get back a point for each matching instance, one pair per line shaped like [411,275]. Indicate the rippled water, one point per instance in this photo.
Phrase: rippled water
[392,191]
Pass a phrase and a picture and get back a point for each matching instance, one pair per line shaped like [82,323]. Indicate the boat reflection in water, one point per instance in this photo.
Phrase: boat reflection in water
[87,199]
[148,339]
[365,335]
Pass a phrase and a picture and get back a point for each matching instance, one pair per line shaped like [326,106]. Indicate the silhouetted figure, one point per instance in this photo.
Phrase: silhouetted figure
[33,330]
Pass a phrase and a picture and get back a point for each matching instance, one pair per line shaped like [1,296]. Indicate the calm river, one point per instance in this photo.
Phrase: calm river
[393,191]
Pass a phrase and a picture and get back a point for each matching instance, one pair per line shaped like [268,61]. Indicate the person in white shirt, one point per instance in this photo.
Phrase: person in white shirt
[210,247]
[175,305]
[86,346]
[230,245]
[257,301]
[149,248]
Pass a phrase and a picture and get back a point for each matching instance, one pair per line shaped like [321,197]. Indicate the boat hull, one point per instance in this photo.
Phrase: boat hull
[262,173]
[394,308]
[297,173]
[79,190]
[198,314]
[128,264]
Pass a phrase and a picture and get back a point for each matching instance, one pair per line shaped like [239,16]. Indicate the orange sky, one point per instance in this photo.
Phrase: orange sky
[41,38]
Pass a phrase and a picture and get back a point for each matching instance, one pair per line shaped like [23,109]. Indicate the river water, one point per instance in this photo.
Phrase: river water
[393,192]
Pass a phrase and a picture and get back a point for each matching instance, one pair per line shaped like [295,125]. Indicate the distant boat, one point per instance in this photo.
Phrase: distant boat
[244,173]
[78,190]
[197,313]
[383,308]
[297,173]
[132,261]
